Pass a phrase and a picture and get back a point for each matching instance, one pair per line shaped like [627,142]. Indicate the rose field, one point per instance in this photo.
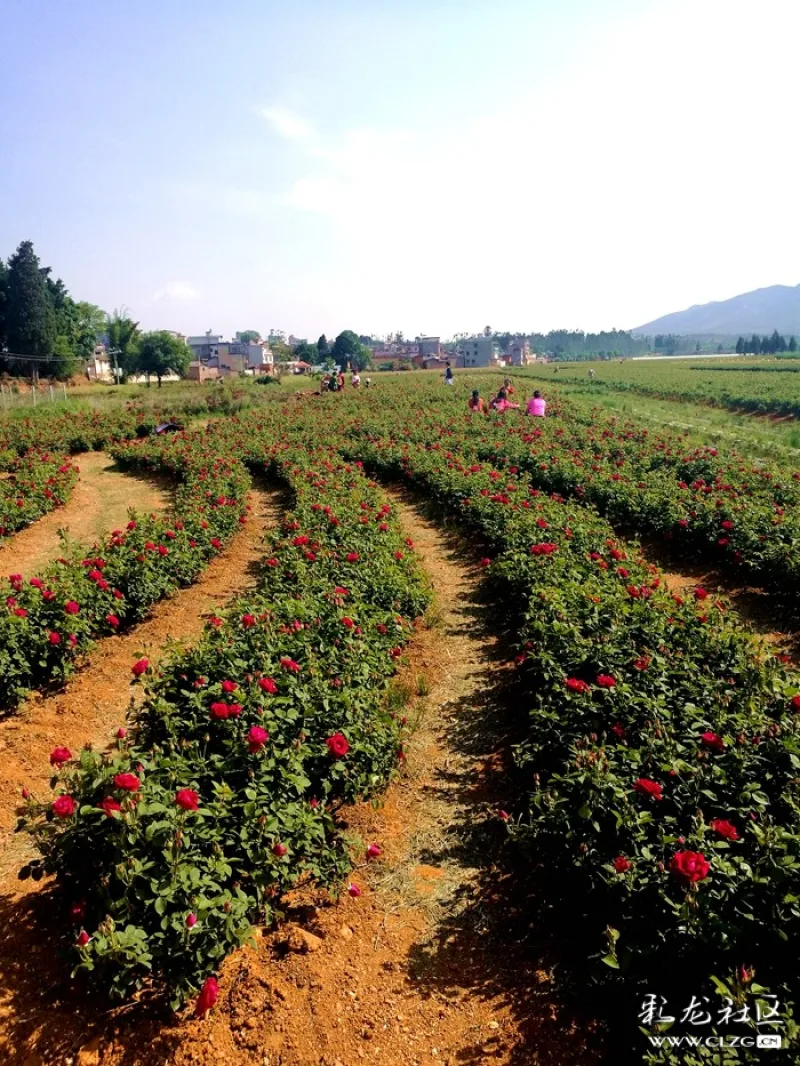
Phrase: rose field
[392,733]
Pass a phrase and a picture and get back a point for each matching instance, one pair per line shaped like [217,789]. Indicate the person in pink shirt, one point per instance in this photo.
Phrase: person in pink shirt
[501,403]
[536,405]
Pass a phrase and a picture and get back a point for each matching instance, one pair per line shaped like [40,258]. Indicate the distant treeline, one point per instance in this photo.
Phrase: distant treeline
[572,345]
[769,344]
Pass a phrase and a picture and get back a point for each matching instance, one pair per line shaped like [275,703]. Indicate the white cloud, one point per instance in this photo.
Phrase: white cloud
[288,124]
[177,290]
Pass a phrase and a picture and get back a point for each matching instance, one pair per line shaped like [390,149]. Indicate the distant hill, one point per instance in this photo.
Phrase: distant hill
[760,311]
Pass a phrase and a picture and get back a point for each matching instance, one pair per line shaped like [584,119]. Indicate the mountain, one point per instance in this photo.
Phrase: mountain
[760,311]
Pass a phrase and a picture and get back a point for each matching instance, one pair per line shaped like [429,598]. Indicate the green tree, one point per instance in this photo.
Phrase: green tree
[305,351]
[323,348]
[30,319]
[740,346]
[792,345]
[249,336]
[160,352]
[3,303]
[755,345]
[122,337]
[347,347]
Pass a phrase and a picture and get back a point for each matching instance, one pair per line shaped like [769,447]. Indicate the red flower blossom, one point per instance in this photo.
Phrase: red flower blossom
[71,607]
[209,994]
[373,851]
[64,807]
[621,864]
[618,731]
[191,921]
[279,849]
[112,620]
[83,939]
[642,664]
[700,593]
[337,745]
[248,620]
[713,741]
[606,681]
[795,701]
[266,684]
[348,623]
[229,686]
[290,665]
[127,782]
[110,805]
[690,866]
[575,684]
[352,557]
[140,667]
[187,799]
[58,756]
[256,739]
[354,891]
[645,787]
[724,829]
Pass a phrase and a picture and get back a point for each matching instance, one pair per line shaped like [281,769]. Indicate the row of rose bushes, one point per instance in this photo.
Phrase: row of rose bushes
[740,514]
[662,749]
[74,431]
[224,791]
[34,484]
[47,622]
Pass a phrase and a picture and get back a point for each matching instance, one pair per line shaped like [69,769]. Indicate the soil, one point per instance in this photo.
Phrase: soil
[99,502]
[434,964]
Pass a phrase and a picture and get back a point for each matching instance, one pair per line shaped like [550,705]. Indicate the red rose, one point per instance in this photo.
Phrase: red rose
[266,684]
[618,731]
[352,557]
[690,866]
[348,623]
[700,593]
[112,620]
[300,541]
[373,851]
[71,607]
[127,782]
[110,805]
[711,740]
[337,745]
[354,890]
[248,620]
[724,829]
[574,684]
[621,864]
[209,994]
[191,921]
[256,739]
[187,799]
[645,787]
[796,702]
[279,849]
[140,667]
[122,732]
[290,665]
[485,562]
[83,939]
[64,807]
[229,686]
[605,681]
[58,756]
[642,664]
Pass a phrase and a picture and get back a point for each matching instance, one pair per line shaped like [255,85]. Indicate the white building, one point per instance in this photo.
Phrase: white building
[479,351]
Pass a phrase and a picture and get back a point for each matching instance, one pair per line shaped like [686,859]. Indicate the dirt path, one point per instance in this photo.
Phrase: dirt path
[94,702]
[431,966]
[99,502]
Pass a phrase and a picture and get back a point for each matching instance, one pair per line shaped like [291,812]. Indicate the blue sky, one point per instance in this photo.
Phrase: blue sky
[397,164]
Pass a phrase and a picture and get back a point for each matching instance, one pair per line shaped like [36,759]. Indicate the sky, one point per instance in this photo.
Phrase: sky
[431,166]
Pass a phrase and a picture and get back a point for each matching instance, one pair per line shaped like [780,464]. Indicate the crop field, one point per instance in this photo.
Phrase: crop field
[382,731]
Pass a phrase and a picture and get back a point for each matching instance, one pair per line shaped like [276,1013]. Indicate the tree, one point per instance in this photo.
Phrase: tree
[361,360]
[122,335]
[305,351]
[30,320]
[792,345]
[3,303]
[487,331]
[249,336]
[755,344]
[345,347]
[160,352]
[740,346]
[697,346]
[323,348]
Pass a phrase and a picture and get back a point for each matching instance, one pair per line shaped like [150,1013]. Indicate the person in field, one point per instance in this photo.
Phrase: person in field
[536,405]
[355,380]
[477,404]
[448,375]
[508,386]
[502,403]
[591,374]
